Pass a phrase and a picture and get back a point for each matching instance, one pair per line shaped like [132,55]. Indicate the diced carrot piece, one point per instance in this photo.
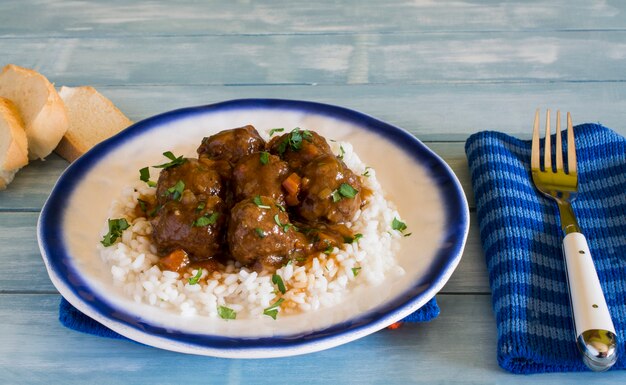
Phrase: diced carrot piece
[174,261]
[292,186]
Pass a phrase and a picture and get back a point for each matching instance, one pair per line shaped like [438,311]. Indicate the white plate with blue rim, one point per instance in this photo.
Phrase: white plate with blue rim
[424,189]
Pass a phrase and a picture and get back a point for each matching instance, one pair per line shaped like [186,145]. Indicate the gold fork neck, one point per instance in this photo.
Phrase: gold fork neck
[569,224]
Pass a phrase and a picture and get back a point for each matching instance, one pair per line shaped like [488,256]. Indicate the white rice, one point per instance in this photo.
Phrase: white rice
[325,280]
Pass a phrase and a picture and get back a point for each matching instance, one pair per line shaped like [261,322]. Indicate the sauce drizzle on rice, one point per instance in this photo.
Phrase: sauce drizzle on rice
[242,289]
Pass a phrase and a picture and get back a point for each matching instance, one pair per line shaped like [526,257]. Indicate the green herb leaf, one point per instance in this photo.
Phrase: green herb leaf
[143,205]
[294,140]
[174,161]
[257,201]
[264,157]
[275,130]
[226,312]
[176,192]
[357,236]
[367,171]
[329,249]
[194,280]
[347,191]
[259,232]
[397,224]
[336,196]
[342,152]
[272,311]
[144,176]
[356,271]
[278,281]
[206,219]
[281,207]
[116,227]
[284,226]
[200,206]
[154,211]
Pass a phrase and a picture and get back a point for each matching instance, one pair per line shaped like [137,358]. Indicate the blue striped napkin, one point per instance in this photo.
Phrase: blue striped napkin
[521,237]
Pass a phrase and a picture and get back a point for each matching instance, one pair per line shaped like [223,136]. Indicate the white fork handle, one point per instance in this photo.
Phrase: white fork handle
[588,303]
[595,333]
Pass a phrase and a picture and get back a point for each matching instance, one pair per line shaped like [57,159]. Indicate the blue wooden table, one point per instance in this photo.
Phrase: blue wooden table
[441,70]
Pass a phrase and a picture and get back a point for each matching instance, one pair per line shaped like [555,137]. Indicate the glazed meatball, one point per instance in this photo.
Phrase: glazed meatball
[231,145]
[330,191]
[299,147]
[198,177]
[260,173]
[259,233]
[195,226]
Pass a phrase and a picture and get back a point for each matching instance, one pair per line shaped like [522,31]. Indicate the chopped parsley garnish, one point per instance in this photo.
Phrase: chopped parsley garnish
[143,205]
[278,281]
[367,171]
[347,191]
[356,271]
[294,140]
[397,224]
[174,161]
[116,227]
[259,231]
[281,207]
[329,249]
[200,206]
[226,312]
[272,311]
[144,176]
[264,157]
[154,211]
[194,280]
[176,192]
[284,226]
[342,152]
[257,201]
[350,239]
[275,130]
[206,219]
[344,191]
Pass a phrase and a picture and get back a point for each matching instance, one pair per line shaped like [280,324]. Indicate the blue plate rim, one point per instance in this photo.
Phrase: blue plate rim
[456,224]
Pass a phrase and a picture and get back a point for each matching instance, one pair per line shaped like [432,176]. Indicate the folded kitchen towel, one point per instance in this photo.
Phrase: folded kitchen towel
[72,318]
[521,236]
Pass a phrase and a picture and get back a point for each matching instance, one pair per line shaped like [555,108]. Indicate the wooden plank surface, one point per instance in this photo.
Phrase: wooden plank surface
[562,56]
[188,17]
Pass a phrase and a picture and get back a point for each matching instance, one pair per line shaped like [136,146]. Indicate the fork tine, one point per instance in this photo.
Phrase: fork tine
[547,147]
[559,145]
[534,154]
[571,146]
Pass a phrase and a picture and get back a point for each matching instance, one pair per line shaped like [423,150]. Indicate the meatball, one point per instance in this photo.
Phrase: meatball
[198,177]
[299,147]
[330,191]
[260,233]
[195,226]
[260,174]
[231,145]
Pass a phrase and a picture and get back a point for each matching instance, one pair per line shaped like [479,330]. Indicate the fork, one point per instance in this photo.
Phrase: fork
[595,333]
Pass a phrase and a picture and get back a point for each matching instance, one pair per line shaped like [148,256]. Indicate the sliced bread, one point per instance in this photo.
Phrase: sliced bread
[39,105]
[13,142]
[92,118]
